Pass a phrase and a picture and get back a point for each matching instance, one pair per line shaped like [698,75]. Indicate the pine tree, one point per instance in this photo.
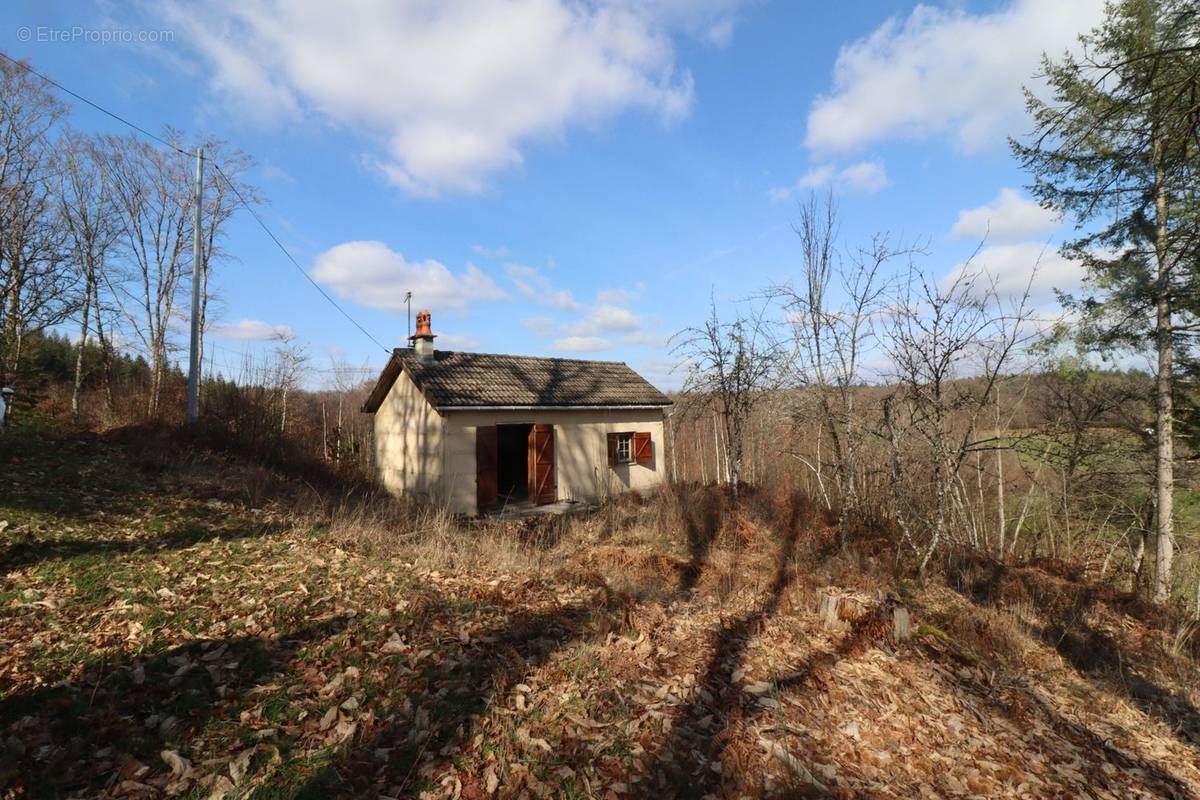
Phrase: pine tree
[1116,148]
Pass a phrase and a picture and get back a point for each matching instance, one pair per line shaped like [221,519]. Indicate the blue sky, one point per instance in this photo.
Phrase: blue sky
[576,179]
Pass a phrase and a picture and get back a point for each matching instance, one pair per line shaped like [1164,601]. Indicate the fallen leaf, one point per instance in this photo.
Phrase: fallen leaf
[491,780]
[240,765]
[179,765]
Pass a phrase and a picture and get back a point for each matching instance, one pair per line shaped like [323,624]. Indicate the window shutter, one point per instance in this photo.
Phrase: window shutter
[486,456]
[612,449]
[643,449]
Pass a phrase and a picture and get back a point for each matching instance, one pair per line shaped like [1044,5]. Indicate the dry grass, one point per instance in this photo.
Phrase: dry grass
[1000,635]
[1183,643]
[338,643]
[430,537]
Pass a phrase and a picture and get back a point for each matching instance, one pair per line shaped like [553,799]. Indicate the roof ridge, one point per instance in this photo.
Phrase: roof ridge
[462,378]
[513,355]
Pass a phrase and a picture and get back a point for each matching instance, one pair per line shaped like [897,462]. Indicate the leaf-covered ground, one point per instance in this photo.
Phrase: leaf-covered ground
[169,628]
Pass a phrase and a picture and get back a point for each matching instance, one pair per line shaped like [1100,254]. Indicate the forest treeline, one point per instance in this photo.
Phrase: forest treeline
[96,265]
[939,411]
[943,450]
[96,234]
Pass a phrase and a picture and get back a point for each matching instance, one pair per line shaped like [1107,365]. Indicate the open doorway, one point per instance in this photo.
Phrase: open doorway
[512,463]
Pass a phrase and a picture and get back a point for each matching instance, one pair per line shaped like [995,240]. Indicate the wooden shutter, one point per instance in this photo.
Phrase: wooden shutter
[643,448]
[542,487]
[612,449]
[486,458]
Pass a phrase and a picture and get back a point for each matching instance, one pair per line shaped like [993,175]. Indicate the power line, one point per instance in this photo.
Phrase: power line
[96,106]
[294,262]
[220,172]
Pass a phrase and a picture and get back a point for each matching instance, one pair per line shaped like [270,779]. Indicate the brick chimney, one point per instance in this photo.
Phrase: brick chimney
[422,340]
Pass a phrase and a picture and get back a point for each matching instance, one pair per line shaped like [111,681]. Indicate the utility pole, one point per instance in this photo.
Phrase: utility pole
[193,391]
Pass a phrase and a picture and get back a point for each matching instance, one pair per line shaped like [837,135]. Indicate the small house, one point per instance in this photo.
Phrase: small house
[481,431]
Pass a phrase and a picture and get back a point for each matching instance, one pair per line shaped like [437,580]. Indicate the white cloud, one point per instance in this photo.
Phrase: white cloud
[1012,265]
[944,72]
[534,285]
[1010,217]
[542,326]
[868,177]
[606,318]
[582,344]
[863,177]
[646,338]
[620,296]
[818,176]
[705,19]
[490,252]
[374,275]
[452,91]
[664,373]
[252,330]
[273,172]
[609,316]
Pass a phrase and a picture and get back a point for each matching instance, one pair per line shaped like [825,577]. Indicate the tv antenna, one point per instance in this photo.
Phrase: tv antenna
[408,301]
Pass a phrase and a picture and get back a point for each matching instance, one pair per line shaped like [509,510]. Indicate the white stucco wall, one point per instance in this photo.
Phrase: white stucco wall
[580,451]
[409,442]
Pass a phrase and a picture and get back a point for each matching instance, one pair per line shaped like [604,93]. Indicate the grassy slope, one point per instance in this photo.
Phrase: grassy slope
[170,626]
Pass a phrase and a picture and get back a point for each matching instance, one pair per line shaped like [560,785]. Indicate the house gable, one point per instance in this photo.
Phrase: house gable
[409,439]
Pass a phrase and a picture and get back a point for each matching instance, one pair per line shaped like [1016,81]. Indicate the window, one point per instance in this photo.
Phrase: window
[630,448]
[624,448]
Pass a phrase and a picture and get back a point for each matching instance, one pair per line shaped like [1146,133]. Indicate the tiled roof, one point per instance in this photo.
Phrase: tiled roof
[467,380]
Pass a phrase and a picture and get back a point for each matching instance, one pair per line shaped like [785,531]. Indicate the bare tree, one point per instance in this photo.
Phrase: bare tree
[290,361]
[949,344]
[34,291]
[1099,441]
[88,214]
[153,190]
[829,339]
[729,367]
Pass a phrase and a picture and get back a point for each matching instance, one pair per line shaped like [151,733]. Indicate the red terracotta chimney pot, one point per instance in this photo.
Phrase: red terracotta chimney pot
[423,324]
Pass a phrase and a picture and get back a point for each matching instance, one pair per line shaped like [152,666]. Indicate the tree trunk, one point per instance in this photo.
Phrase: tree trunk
[17,346]
[105,352]
[1165,422]
[717,449]
[83,332]
[12,335]
[158,366]
[1002,519]
[283,412]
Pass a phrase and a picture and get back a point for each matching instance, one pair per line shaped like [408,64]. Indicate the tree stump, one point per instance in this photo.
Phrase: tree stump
[836,610]
[901,624]
[828,611]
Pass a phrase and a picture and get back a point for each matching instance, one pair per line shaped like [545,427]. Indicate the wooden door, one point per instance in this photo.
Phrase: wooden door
[486,458]
[542,487]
